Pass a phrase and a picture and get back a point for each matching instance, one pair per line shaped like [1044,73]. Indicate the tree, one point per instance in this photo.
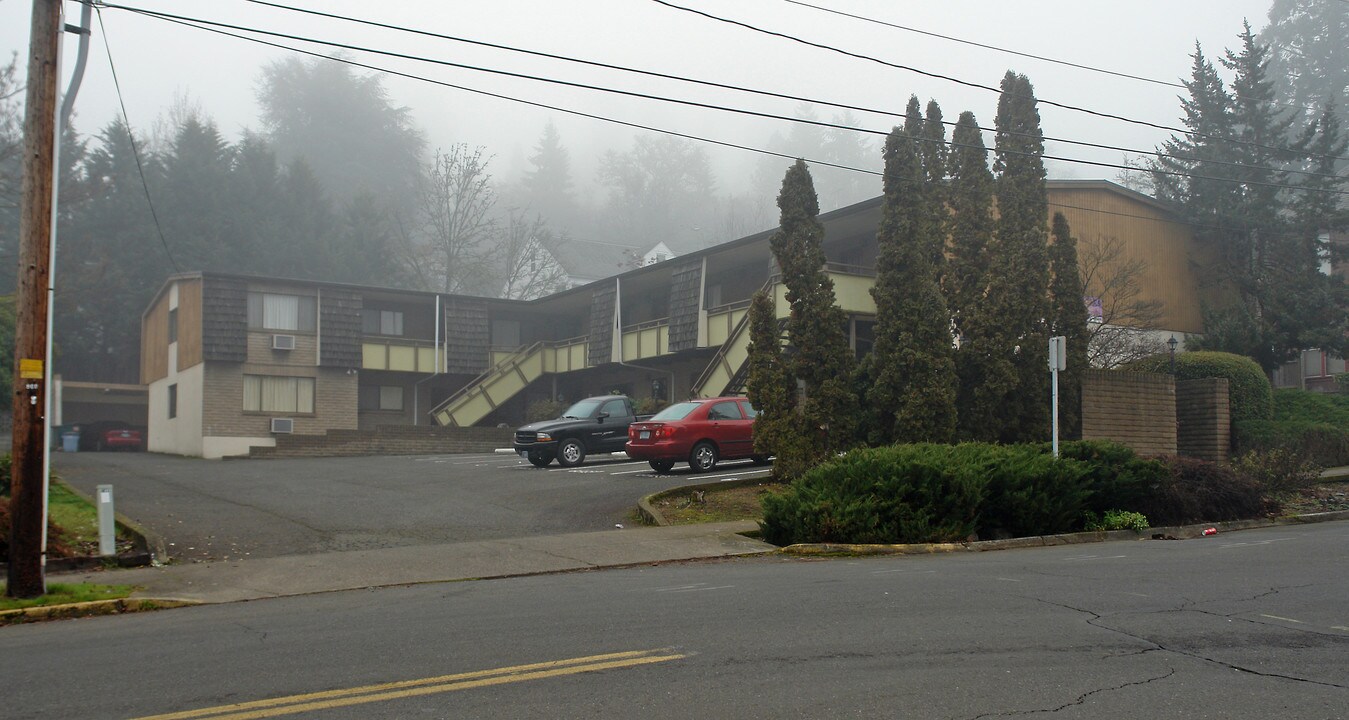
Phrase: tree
[525,255]
[344,125]
[11,143]
[769,384]
[1016,290]
[983,363]
[548,184]
[1068,318]
[913,396]
[1307,46]
[456,218]
[1121,333]
[662,190]
[821,359]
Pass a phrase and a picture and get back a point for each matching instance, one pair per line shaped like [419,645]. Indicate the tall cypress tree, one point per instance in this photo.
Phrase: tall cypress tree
[816,329]
[1068,317]
[913,396]
[1017,289]
[985,376]
[769,386]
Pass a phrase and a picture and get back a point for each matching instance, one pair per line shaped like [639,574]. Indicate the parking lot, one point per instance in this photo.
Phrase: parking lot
[215,510]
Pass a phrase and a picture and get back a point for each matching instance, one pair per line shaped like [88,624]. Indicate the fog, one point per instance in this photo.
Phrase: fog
[160,63]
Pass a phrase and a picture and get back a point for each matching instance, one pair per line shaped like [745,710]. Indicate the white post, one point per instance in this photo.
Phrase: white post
[1058,360]
[107,532]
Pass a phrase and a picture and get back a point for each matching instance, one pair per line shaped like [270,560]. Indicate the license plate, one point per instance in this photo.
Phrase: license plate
[644,435]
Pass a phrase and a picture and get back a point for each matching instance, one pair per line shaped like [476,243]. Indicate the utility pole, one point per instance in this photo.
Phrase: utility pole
[28,490]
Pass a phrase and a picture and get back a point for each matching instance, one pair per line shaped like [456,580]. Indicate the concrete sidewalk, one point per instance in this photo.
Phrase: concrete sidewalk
[254,579]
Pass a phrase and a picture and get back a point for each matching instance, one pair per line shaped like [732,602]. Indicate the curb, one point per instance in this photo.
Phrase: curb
[152,544]
[1179,532]
[92,608]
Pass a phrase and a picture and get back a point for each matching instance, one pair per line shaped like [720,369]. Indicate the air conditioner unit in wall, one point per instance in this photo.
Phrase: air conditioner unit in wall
[283,425]
[283,342]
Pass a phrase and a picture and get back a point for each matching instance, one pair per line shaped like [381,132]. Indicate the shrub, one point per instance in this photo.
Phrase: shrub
[1342,382]
[543,410]
[1323,444]
[1032,493]
[1201,491]
[1117,477]
[1278,471]
[6,463]
[900,493]
[650,406]
[1116,520]
[1313,407]
[1247,387]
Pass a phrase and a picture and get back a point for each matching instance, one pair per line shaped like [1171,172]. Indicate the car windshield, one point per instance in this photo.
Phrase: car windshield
[582,409]
[677,411]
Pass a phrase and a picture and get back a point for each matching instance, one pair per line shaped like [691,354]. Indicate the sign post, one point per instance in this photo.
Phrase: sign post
[1058,360]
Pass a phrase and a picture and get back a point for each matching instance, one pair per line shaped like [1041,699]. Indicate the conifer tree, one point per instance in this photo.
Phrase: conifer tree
[913,396]
[984,377]
[1068,317]
[769,386]
[1017,289]
[816,330]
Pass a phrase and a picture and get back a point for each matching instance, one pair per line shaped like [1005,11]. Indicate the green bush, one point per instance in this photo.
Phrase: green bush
[1325,445]
[1278,471]
[1201,491]
[1247,387]
[1311,407]
[1117,477]
[543,410]
[1032,493]
[900,493]
[1116,520]
[1342,382]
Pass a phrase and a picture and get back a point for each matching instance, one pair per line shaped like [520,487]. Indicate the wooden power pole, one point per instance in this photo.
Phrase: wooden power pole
[28,491]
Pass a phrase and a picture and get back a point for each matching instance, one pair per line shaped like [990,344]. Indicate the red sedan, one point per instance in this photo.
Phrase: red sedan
[700,432]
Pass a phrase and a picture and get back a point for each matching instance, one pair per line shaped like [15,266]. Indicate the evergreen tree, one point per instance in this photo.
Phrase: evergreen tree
[913,397]
[1068,317]
[983,365]
[195,211]
[1016,293]
[821,360]
[769,386]
[1307,46]
[548,183]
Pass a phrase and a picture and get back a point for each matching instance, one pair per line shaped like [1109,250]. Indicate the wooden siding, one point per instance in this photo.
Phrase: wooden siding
[189,323]
[155,341]
[686,287]
[1146,233]
[602,325]
[339,329]
[224,322]
[469,333]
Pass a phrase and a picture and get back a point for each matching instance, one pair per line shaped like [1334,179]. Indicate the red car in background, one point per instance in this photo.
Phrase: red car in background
[699,432]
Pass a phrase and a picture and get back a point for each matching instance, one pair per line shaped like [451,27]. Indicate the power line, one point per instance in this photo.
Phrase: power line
[202,23]
[958,81]
[719,85]
[614,121]
[135,152]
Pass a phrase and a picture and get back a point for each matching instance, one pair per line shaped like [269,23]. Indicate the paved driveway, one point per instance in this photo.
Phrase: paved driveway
[214,510]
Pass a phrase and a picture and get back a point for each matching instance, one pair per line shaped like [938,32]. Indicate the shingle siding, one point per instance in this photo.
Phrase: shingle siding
[685,293]
[224,332]
[340,329]
[601,340]
[470,333]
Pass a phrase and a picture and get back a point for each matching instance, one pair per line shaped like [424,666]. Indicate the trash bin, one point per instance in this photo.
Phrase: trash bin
[70,441]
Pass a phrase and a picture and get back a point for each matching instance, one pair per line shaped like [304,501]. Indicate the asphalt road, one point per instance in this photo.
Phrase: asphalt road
[1242,625]
[215,510]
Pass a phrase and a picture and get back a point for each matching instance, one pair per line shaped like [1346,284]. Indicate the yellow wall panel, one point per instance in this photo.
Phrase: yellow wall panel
[402,357]
[374,356]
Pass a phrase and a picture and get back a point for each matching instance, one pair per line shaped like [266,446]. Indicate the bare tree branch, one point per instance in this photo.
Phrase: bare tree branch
[1122,333]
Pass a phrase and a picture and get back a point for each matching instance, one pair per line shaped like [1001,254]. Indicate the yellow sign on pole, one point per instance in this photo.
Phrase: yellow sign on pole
[30,369]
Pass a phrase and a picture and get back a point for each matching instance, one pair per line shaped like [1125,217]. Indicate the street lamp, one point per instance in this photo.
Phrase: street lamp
[1172,345]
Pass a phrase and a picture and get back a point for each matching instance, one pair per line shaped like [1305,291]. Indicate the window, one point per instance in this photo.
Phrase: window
[381,322]
[380,397]
[276,393]
[173,325]
[724,411]
[173,401]
[288,313]
[615,408]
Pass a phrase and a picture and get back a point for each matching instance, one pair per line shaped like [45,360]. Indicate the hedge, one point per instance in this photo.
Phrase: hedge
[1248,389]
[1322,443]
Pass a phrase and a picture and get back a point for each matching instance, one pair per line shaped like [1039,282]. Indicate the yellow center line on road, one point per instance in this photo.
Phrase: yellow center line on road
[308,702]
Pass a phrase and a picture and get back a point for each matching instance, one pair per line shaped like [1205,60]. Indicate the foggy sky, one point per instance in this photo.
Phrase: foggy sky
[159,62]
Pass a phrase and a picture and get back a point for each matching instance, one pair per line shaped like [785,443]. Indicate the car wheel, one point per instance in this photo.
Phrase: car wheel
[571,453]
[538,459]
[703,457]
[661,466]
[760,459]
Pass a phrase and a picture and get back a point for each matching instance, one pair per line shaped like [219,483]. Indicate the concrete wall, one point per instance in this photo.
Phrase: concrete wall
[1135,409]
[1204,419]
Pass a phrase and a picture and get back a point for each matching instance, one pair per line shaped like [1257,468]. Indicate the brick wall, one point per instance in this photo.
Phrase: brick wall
[389,440]
[1204,419]
[1135,409]
[223,393]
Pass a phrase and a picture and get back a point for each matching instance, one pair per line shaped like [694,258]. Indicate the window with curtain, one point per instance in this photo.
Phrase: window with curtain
[276,393]
[286,313]
[381,322]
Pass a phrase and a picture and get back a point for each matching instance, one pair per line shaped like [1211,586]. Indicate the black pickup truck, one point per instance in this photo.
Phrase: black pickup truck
[593,425]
